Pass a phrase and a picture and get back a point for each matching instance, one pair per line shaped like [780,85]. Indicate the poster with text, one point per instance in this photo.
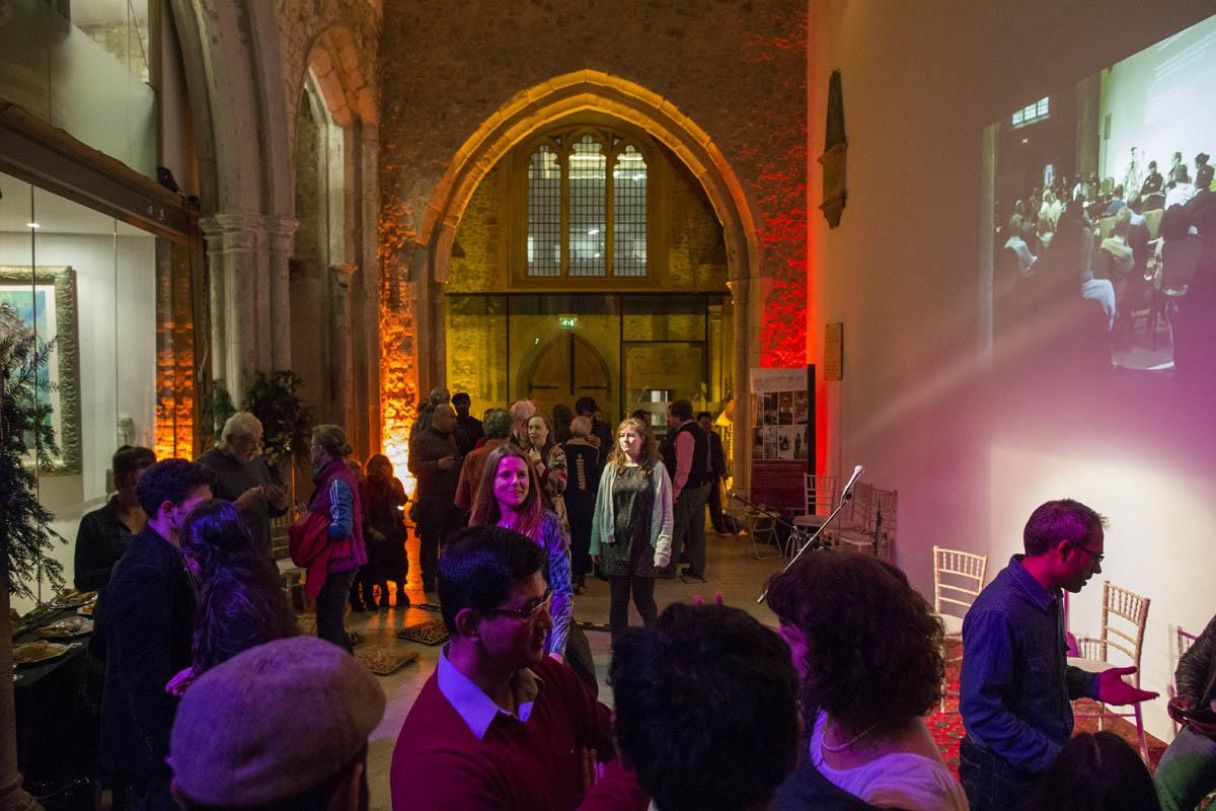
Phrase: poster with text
[780,437]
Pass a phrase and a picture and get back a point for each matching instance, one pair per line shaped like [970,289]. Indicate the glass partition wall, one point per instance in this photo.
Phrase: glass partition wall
[629,352]
[86,283]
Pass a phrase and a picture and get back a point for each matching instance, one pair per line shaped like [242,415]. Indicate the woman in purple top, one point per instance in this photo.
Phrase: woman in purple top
[510,497]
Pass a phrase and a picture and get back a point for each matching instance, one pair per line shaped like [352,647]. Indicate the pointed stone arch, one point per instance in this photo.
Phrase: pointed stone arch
[536,107]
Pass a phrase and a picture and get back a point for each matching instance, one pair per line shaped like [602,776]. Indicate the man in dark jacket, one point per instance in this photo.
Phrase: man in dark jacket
[687,458]
[1188,768]
[243,477]
[717,471]
[147,617]
[435,461]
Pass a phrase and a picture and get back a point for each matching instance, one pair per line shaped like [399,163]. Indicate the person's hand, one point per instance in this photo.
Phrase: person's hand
[250,498]
[178,684]
[276,495]
[662,558]
[1179,706]
[592,770]
[446,463]
[376,535]
[1112,689]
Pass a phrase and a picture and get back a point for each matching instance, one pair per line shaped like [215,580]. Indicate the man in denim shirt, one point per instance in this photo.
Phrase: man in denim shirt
[1016,683]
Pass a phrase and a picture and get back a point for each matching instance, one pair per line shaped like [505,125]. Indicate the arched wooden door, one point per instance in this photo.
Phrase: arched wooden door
[565,369]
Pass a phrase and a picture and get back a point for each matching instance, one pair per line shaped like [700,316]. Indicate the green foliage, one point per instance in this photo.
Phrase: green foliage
[26,536]
[217,408]
[286,420]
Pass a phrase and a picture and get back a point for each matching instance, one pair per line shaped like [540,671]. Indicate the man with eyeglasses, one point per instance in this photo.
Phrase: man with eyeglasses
[1016,683]
[499,725]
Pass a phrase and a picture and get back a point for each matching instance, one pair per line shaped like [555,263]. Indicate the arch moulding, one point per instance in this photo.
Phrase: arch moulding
[536,107]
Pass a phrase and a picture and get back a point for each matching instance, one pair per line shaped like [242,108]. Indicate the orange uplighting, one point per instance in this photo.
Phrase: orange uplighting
[398,342]
[173,435]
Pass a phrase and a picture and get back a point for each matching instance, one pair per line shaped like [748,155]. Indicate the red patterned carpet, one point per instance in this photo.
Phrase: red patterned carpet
[947,726]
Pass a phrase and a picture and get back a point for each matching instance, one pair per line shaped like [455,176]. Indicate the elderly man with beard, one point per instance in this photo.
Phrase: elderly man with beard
[243,477]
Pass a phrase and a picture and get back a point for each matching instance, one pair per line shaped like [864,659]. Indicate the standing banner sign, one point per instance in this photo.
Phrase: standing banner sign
[780,434]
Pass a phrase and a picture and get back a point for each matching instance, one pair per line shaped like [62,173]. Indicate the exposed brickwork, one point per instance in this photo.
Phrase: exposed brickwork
[737,70]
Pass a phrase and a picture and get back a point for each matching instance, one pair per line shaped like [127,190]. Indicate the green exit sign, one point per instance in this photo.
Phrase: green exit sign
[567,321]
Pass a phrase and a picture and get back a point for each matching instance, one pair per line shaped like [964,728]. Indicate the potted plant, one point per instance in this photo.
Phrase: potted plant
[26,536]
[286,420]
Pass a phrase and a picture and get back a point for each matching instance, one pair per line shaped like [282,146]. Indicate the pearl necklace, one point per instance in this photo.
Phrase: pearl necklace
[840,747]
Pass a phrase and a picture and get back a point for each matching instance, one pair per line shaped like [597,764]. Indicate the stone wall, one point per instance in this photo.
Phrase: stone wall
[738,70]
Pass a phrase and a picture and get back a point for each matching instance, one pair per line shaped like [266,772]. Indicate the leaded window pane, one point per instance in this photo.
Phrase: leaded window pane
[629,214]
[544,213]
[588,178]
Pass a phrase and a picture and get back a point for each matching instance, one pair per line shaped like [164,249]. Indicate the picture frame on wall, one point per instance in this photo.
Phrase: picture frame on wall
[44,298]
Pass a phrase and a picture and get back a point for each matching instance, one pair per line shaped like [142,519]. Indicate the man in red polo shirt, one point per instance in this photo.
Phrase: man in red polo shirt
[499,725]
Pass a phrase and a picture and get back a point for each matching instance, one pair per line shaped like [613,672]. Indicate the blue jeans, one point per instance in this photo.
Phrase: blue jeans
[1187,771]
[991,782]
[331,606]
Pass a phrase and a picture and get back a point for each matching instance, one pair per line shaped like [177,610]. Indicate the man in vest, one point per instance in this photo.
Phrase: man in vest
[686,454]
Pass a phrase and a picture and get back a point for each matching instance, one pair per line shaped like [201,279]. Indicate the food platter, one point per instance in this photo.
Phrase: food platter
[71,598]
[87,609]
[68,628]
[32,653]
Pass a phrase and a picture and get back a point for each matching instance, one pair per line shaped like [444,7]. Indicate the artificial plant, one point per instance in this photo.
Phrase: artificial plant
[26,536]
[286,420]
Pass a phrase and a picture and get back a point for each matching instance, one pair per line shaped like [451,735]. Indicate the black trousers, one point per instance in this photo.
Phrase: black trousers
[619,587]
[435,522]
[715,506]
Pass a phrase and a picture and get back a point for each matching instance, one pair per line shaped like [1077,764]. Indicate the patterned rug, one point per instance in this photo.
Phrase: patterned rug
[947,726]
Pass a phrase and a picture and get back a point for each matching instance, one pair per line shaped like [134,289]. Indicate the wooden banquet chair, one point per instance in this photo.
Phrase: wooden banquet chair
[958,578]
[1124,617]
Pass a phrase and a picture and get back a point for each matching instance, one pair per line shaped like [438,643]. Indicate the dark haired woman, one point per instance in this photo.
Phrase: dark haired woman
[510,497]
[240,599]
[583,461]
[337,497]
[631,530]
[868,650]
[550,462]
[383,497]
[104,533]
[562,417]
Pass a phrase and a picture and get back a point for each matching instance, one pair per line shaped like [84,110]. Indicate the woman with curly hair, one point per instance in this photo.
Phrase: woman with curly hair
[631,528]
[240,600]
[868,650]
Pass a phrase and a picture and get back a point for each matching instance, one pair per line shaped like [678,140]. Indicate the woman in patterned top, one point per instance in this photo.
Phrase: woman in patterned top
[510,497]
[550,462]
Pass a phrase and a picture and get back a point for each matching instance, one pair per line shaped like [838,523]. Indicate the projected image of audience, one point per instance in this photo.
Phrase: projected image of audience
[1105,212]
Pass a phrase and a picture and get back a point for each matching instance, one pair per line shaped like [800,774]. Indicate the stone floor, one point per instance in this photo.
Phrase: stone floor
[732,569]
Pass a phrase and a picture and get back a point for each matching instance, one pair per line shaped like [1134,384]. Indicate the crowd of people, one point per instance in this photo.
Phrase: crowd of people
[212,699]
[1080,236]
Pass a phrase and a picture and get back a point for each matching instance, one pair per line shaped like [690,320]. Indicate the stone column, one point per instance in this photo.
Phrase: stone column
[342,350]
[280,233]
[741,302]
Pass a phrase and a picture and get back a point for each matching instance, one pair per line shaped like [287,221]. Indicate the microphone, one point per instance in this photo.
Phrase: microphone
[847,493]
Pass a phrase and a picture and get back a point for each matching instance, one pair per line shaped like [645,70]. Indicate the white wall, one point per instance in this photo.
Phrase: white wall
[117,356]
[925,404]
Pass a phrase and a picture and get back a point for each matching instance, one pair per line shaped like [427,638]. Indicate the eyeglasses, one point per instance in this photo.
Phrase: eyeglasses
[529,611]
[1097,556]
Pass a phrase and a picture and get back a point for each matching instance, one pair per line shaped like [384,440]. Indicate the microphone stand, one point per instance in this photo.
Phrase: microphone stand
[813,542]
